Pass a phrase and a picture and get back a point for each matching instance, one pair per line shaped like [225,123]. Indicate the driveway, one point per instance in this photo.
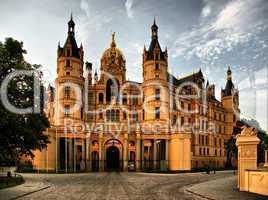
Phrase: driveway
[112,185]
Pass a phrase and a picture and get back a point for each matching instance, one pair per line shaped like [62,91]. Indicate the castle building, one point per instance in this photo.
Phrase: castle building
[102,121]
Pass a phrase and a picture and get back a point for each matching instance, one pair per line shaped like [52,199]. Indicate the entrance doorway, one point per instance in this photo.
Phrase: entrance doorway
[112,158]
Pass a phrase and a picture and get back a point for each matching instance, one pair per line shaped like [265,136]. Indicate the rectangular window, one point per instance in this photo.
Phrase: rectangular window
[81,113]
[182,121]
[67,111]
[67,92]
[157,94]
[156,66]
[134,101]
[68,63]
[135,117]
[124,115]
[189,107]
[182,105]
[157,113]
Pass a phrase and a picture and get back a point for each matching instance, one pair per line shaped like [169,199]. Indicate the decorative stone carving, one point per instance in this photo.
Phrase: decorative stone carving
[248,131]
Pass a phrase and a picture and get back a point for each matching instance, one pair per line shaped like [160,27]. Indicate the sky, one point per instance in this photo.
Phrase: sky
[206,34]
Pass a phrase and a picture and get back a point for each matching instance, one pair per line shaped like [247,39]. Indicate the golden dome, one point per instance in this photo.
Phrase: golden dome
[113,54]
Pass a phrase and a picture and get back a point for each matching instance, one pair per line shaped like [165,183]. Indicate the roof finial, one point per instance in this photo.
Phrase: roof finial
[113,44]
[71,18]
[154,21]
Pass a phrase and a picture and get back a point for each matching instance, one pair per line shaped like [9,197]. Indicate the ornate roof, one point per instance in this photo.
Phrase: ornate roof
[113,53]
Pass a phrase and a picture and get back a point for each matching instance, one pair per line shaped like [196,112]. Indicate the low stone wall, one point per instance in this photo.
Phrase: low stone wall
[256,181]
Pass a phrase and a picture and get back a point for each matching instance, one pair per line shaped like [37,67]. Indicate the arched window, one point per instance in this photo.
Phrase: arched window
[117,115]
[112,88]
[113,115]
[100,98]
[108,115]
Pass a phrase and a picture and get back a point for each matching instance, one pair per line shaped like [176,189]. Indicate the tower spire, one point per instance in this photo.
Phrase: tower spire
[229,73]
[154,30]
[71,25]
[113,44]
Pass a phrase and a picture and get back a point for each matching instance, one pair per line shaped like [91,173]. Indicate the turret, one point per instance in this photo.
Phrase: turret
[70,81]
[155,83]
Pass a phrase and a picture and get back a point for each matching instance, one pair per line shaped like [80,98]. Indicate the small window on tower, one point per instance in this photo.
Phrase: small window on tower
[68,63]
[68,53]
[157,66]
[156,56]
[157,113]
[68,73]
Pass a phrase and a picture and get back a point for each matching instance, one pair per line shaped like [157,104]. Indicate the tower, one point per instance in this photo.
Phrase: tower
[155,80]
[230,101]
[70,81]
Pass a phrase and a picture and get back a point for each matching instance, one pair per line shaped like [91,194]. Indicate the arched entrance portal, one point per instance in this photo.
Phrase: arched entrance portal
[112,158]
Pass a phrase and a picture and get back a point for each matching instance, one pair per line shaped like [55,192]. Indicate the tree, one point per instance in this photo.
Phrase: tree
[20,133]
[231,147]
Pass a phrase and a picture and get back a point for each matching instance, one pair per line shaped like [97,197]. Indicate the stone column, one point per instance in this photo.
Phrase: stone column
[58,154]
[154,154]
[101,155]
[266,158]
[88,163]
[125,153]
[246,143]
[142,154]
[138,152]
[83,163]
[166,153]
[74,154]
[70,152]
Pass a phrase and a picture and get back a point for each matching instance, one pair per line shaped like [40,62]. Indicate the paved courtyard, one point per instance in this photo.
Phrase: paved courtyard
[111,185]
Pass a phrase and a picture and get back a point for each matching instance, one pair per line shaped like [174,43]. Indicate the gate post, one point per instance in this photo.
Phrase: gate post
[246,143]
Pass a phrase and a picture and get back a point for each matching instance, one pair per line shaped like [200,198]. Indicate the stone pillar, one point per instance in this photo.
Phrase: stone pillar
[58,154]
[101,155]
[142,154]
[71,157]
[88,163]
[74,154]
[246,143]
[138,152]
[83,162]
[166,153]
[266,158]
[125,153]
[154,154]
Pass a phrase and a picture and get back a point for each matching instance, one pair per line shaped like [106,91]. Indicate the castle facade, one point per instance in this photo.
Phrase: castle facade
[104,122]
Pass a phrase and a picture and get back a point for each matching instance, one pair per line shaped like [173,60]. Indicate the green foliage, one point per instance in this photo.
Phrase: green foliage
[19,133]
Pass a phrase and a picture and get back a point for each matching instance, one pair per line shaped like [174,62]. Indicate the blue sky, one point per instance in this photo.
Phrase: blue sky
[204,34]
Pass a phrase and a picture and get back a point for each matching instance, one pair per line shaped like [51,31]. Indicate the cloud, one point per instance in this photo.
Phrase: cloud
[128,6]
[237,23]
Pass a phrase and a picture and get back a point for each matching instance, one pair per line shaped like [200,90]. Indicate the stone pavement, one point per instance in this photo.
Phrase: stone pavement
[221,189]
[32,184]
[124,186]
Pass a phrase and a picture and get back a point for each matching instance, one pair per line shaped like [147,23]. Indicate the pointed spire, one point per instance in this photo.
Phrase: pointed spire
[59,44]
[229,73]
[71,25]
[81,46]
[154,30]
[113,44]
